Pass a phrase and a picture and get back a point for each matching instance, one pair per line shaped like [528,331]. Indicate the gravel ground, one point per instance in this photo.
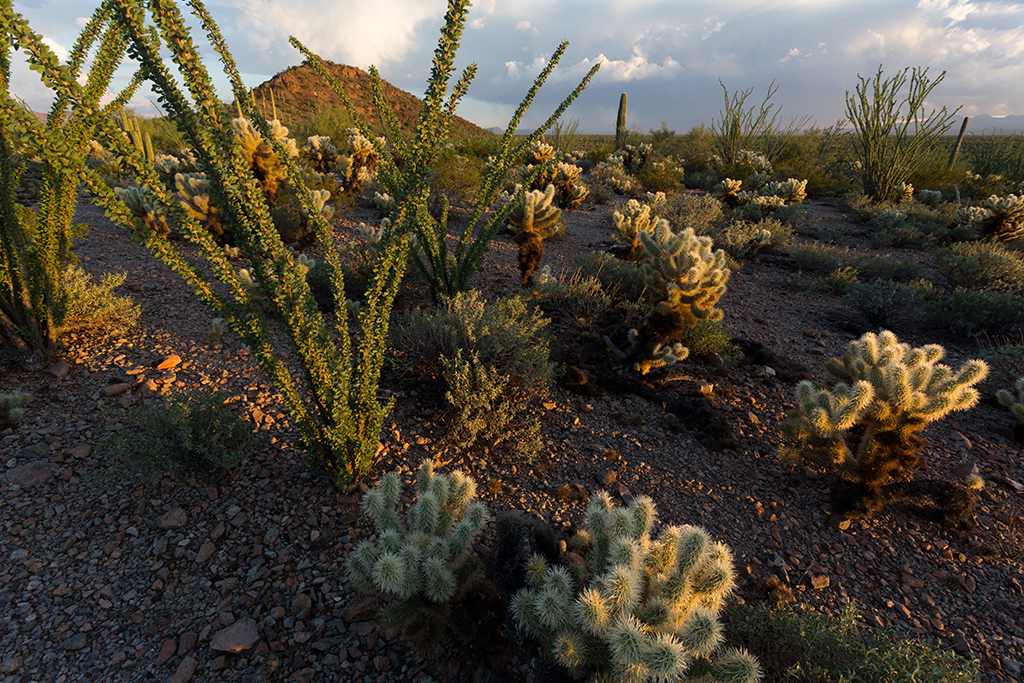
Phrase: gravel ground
[239,576]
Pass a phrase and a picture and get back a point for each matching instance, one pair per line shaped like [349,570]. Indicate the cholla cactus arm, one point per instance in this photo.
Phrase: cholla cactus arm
[1004,220]
[1016,406]
[380,503]
[535,219]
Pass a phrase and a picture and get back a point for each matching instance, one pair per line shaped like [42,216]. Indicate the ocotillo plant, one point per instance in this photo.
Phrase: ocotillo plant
[620,123]
[36,246]
[649,610]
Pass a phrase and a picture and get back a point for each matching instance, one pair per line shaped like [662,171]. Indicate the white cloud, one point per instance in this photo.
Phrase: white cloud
[526,27]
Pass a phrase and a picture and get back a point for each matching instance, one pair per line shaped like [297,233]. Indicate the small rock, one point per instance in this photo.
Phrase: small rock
[10,665]
[1010,665]
[381,664]
[565,493]
[961,645]
[81,450]
[174,519]
[31,473]
[114,389]
[205,551]
[606,478]
[819,582]
[362,608]
[167,651]
[170,362]
[219,664]
[241,635]
[60,369]
[301,605]
[187,642]
[75,642]
[183,674]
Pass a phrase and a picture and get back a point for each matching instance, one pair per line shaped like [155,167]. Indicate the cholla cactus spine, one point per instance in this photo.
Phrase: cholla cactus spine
[890,388]
[648,613]
[431,556]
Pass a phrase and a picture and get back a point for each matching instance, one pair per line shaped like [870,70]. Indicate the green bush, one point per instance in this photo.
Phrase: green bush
[709,337]
[12,408]
[621,280]
[988,266]
[879,300]
[493,359]
[810,647]
[840,280]
[970,313]
[889,268]
[190,431]
[703,213]
[819,258]
[95,309]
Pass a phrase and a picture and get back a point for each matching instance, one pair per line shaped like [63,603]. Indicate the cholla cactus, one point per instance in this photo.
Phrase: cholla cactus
[633,158]
[1004,220]
[428,561]
[755,161]
[385,203]
[690,279]
[321,154]
[357,166]
[534,220]
[262,159]
[12,408]
[903,193]
[216,330]
[728,191]
[649,612]
[1016,406]
[630,222]
[168,164]
[194,191]
[656,200]
[539,152]
[792,191]
[141,206]
[929,197]
[320,199]
[139,138]
[890,391]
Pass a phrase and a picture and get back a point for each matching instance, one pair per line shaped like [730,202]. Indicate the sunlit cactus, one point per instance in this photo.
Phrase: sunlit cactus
[539,152]
[630,222]
[1004,220]
[357,165]
[194,191]
[534,220]
[753,161]
[904,192]
[792,191]
[384,202]
[429,559]
[141,206]
[689,278]
[656,200]
[320,153]
[139,138]
[866,424]
[168,164]
[728,191]
[262,159]
[320,199]
[649,610]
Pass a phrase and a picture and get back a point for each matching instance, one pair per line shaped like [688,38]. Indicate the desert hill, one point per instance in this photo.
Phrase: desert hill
[299,93]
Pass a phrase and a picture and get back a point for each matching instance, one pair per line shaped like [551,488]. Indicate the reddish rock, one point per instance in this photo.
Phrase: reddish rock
[59,370]
[171,361]
[187,642]
[81,450]
[31,473]
[205,551]
[114,389]
[184,672]
[362,608]
[241,635]
[167,651]
[174,519]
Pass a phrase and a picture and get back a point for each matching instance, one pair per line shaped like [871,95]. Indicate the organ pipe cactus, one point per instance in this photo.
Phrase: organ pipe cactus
[427,561]
[866,424]
[139,138]
[534,220]
[649,611]
[690,279]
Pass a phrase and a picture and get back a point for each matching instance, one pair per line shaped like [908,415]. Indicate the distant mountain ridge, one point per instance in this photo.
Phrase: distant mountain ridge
[1006,125]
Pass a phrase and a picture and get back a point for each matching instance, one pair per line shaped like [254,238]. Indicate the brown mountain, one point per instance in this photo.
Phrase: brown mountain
[299,92]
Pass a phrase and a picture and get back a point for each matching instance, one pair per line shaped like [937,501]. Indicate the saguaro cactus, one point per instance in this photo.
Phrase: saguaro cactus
[649,612]
[620,123]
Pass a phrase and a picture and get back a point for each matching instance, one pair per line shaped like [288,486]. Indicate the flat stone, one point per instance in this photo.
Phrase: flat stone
[241,635]
[205,551]
[174,519]
[187,642]
[607,478]
[75,642]
[59,369]
[171,361]
[10,665]
[167,651]
[31,473]
[81,450]
[115,389]
[819,582]
[183,674]
[362,608]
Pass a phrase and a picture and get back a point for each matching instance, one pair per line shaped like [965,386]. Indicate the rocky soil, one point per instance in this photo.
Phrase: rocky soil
[239,575]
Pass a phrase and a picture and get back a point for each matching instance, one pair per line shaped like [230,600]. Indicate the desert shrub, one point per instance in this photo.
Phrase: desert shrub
[577,298]
[986,266]
[94,308]
[663,175]
[458,177]
[879,300]
[865,425]
[742,239]
[621,280]
[970,313]
[840,280]
[889,268]
[422,566]
[708,338]
[819,258]
[702,213]
[810,647]
[493,359]
[191,431]
[647,609]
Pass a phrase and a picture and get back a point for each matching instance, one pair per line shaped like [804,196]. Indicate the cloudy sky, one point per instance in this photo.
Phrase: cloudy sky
[668,55]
